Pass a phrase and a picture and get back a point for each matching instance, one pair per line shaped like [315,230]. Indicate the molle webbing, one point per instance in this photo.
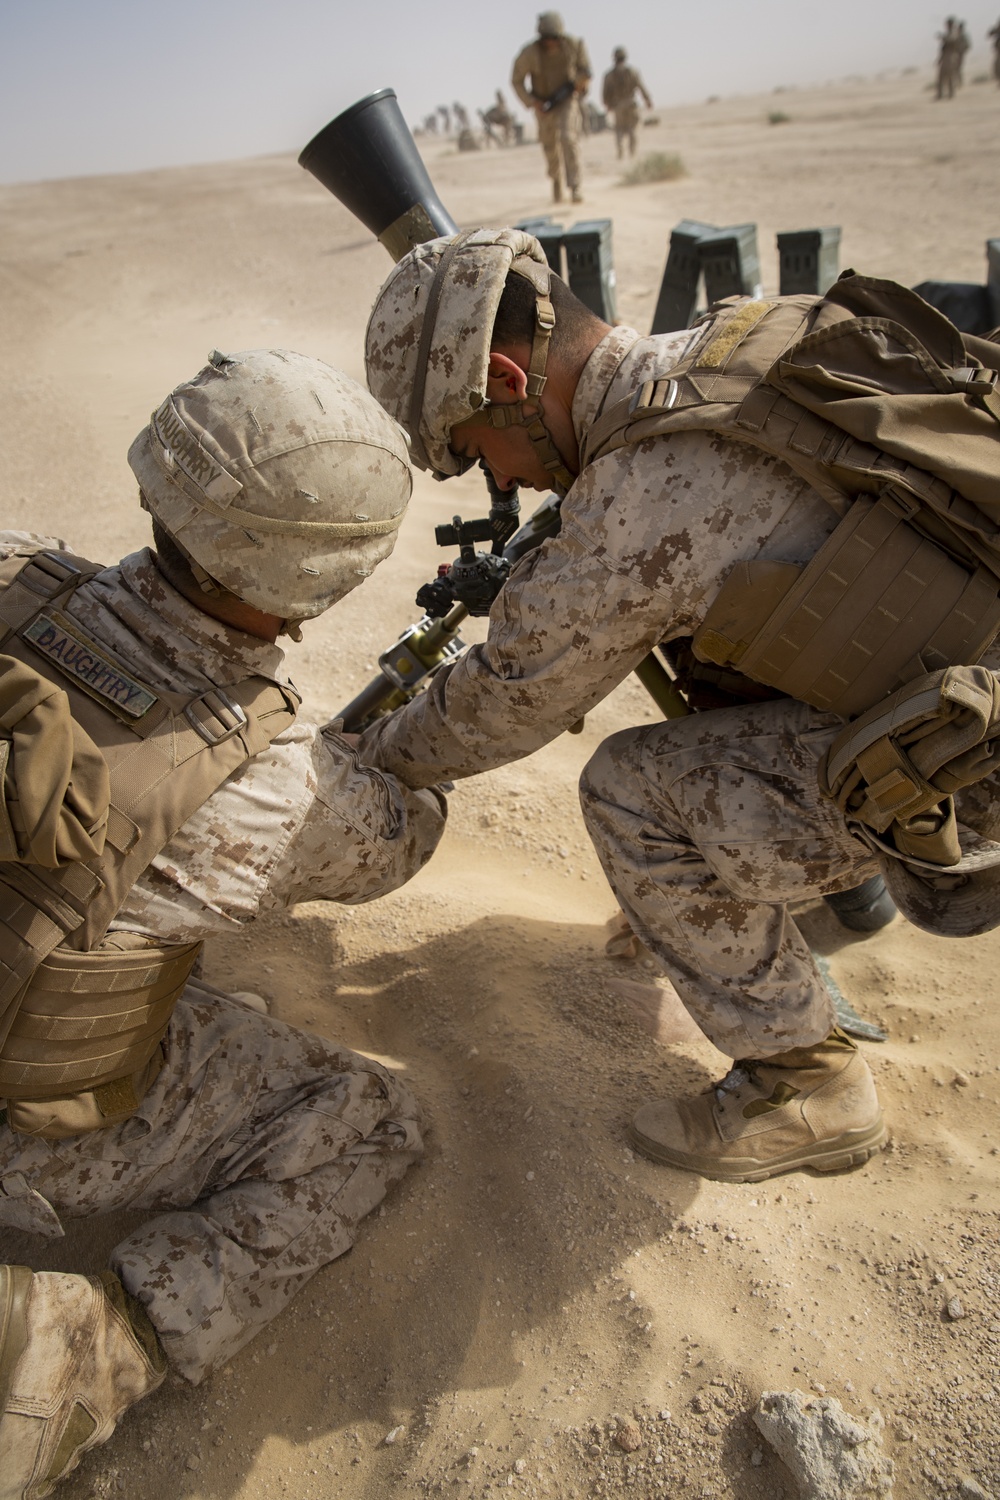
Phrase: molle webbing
[89,1019]
[163,765]
[878,605]
[909,582]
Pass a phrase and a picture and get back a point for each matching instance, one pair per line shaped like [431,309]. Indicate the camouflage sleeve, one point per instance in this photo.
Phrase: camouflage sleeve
[305,820]
[554,649]
[648,534]
[583,68]
[365,834]
[24,543]
[519,73]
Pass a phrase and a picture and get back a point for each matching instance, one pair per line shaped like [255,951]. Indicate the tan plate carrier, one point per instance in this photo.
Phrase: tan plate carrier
[879,403]
[81,1015]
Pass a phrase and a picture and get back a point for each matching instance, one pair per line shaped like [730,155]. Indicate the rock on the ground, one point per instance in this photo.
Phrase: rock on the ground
[629,1436]
[969,1489]
[831,1455]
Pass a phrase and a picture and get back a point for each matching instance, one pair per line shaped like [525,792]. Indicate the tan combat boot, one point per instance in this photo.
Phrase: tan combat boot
[75,1352]
[811,1107]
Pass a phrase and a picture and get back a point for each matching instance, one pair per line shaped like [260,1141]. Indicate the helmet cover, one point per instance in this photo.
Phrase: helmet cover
[458,351]
[279,476]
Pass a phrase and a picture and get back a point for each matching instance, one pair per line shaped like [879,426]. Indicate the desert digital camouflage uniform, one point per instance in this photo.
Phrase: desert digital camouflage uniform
[258,1148]
[963,46]
[706,826]
[537,74]
[951,54]
[620,86]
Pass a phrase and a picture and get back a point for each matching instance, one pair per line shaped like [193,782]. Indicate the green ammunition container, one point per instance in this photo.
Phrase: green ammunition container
[678,297]
[590,267]
[730,262]
[808,260]
[993,280]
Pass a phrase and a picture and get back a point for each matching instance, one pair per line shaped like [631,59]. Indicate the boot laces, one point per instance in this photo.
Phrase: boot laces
[740,1073]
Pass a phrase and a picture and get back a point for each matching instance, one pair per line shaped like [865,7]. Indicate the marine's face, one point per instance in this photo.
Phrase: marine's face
[508,453]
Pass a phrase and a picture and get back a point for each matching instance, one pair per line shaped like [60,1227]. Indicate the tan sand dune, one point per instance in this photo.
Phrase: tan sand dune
[533,1282]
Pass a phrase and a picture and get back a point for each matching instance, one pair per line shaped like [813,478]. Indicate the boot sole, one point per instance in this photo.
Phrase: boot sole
[852,1149]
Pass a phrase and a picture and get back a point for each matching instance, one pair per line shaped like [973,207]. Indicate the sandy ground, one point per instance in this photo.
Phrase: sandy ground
[532,1281]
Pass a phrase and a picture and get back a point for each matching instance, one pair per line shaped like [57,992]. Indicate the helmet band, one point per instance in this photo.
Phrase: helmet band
[424,348]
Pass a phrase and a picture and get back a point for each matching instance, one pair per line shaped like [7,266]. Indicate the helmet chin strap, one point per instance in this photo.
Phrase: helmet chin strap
[528,413]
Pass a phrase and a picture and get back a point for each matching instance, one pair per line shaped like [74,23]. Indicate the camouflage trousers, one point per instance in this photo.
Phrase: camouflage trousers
[258,1150]
[626,118]
[559,133]
[707,827]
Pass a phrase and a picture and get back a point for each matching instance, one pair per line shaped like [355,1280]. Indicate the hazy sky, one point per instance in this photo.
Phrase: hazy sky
[90,86]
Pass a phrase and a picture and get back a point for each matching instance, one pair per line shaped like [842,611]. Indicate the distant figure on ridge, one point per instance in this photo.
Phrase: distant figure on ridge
[621,84]
[498,121]
[993,35]
[559,70]
[962,47]
[950,56]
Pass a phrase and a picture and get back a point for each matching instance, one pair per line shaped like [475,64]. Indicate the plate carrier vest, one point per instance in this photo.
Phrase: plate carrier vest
[82,1016]
[893,417]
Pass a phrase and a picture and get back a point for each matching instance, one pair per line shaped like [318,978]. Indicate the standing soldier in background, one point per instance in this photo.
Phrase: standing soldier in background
[962,47]
[949,59]
[559,70]
[152,698]
[621,84]
[993,35]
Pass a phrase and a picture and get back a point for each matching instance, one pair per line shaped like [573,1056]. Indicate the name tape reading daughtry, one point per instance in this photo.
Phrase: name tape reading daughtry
[81,661]
[188,454]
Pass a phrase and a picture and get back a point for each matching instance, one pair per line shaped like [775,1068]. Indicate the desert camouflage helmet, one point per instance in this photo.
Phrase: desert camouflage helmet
[550,23]
[427,348]
[277,476]
[619,54]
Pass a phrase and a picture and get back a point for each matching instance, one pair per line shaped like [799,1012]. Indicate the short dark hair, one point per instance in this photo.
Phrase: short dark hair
[515,320]
[180,569]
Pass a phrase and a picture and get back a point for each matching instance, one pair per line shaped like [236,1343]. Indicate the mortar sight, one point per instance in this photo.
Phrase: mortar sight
[368,159]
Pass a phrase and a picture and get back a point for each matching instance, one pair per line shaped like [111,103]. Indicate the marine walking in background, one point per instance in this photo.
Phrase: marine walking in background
[618,91]
[550,76]
[199,800]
